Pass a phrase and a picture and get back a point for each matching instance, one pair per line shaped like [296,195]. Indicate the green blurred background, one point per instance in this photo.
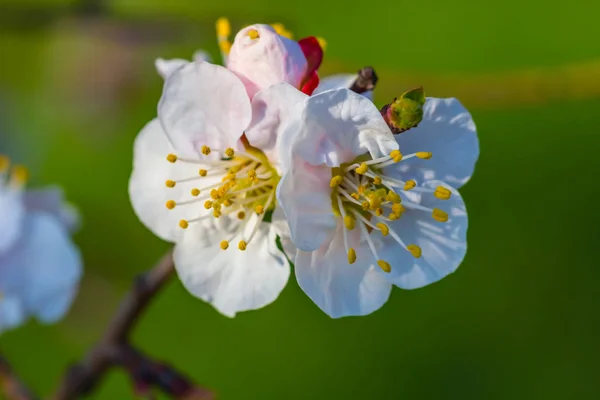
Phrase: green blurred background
[519,319]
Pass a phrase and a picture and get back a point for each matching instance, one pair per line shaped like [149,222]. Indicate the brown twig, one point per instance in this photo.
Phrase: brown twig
[114,348]
[10,385]
[365,81]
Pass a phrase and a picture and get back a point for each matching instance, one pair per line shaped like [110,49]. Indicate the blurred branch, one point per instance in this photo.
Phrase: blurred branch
[10,385]
[365,81]
[114,349]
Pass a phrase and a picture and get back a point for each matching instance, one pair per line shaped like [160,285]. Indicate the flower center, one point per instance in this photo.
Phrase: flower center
[368,199]
[247,185]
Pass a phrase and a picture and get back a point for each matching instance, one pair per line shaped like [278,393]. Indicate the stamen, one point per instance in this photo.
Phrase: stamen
[171,204]
[385,230]
[253,34]
[202,172]
[242,245]
[4,163]
[336,181]
[396,156]
[414,250]
[208,204]
[442,193]
[223,27]
[259,209]
[410,185]
[170,183]
[229,152]
[322,43]
[205,150]
[184,224]
[195,192]
[224,244]
[362,169]
[351,256]
[241,215]
[171,158]
[426,155]
[377,180]
[349,222]
[20,175]
[385,266]
[439,215]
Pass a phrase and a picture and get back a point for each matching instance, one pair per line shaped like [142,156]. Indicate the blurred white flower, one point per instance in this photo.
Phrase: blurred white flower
[362,214]
[205,171]
[40,267]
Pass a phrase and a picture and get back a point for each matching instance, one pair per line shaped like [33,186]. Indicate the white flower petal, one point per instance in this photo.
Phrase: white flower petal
[231,280]
[12,313]
[305,197]
[338,125]
[204,104]
[266,60]
[443,245]
[338,288]
[201,55]
[148,191]
[52,201]
[339,81]
[165,68]
[272,109]
[282,229]
[12,213]
[448,132]
[46,267]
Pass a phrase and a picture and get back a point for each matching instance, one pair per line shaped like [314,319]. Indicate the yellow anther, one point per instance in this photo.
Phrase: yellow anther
[409,185]
[205,150]
[365,205]
[229,152]
[171,204]
[202,172]
[216,213]
[242,245]
[349,222]
[385,230]
[4,163]
[252,174]
[377,180]
[259,209]
[20,174]
[241,215]
[355,196]
[216,206]
[253,34]
[398,208]
[224,245]
[426,155]
[362,189]
[393,197]
[439,215]
[171,158]
[183,224]
[170,183]
[195,192]
[442,193]
[351,256]
[374,202]
[208,204]
[396,155]
[363,168]
[393,216]
[336,181]
[227,203]
[281,31]
[322,43]
[379,211]
[228,177]
[223,27]
[414,250]
[385,266]
[214,194]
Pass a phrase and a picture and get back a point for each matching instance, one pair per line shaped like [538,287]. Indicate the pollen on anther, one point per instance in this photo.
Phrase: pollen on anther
[195,192]
[252,174]
[171,204]
[362,168]
[208,204]
[362,189]
[336,181]
[398,208]
[385,230]
[216,213]
[385,266]
[223,27]
[229,152]
[205,150]
[202,172]
[426,155]
[214,194]
[351,256]
[20,174]
[253,34]
[224,245]
[442,193]
[414,250]
[365,205]
[171,158]
[349,222]
[241,215]
[183,224]
[377,180]
[242,245]
[170,183]
[409,185]
[439,215]
[4,163]
[259,209]
[396,155]
[379,211]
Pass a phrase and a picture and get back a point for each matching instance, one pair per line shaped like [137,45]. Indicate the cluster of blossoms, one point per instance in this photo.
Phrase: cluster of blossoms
[258,162]
[40,267]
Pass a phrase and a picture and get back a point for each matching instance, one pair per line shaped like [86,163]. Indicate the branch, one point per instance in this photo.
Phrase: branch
[10,385]
[365,81]
[114,349]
